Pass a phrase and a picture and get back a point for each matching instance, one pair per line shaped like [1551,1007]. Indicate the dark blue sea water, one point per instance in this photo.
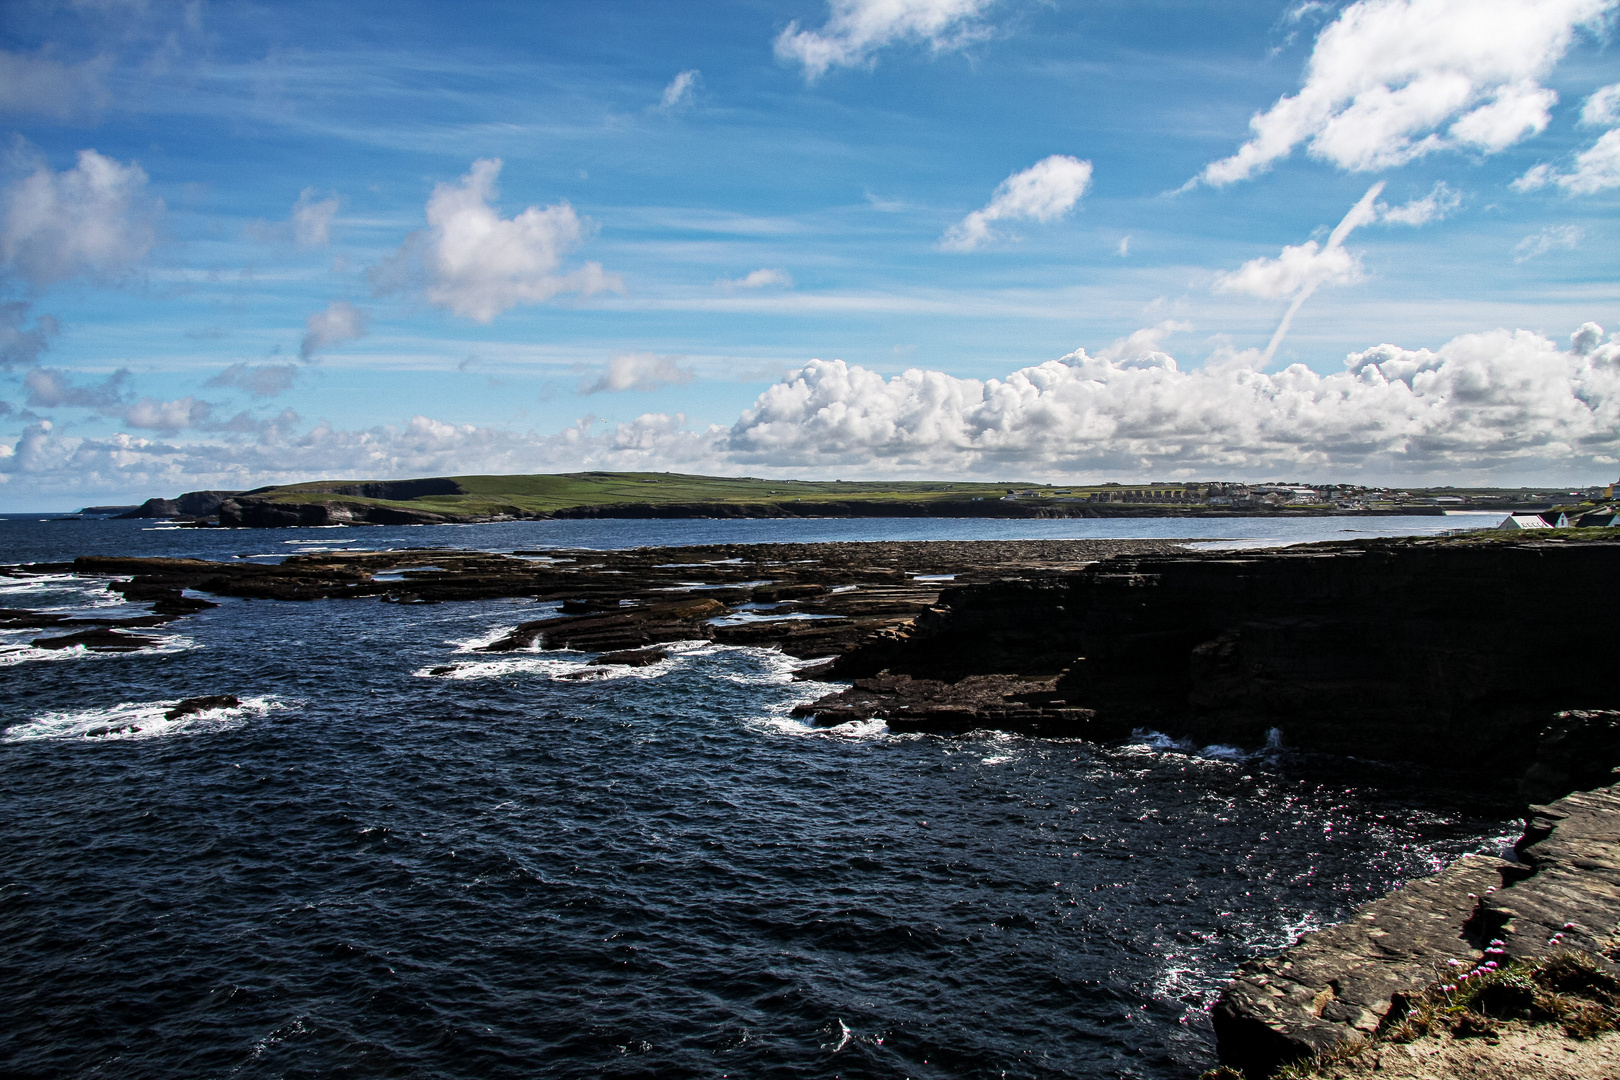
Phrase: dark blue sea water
[364,872]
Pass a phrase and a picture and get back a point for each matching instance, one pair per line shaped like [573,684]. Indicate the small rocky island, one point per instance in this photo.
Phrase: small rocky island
[1486,658]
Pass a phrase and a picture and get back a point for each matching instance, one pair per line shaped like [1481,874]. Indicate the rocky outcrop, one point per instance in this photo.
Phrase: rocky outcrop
[1344,982]
[193,504]
[99,640]
[191,706]
[1580,749]
[624,629]
[1340,983]
[1003,702]
[264,513]
[1423,650]
[808,600]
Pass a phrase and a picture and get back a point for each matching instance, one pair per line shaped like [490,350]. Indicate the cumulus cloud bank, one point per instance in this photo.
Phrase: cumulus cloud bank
[1499,406]
[1389,81]
[1045,191]
[478,264]
[856,29]
[1495,403]
[277,450]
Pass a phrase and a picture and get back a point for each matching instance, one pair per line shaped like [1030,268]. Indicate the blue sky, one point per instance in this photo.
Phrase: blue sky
[250,244]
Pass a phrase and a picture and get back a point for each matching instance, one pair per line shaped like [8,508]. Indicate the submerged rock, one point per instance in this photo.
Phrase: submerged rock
[625,628]
[99,640]
[192,705]
[631,658]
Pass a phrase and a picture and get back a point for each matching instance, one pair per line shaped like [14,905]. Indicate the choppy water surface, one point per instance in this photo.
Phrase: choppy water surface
[535,868]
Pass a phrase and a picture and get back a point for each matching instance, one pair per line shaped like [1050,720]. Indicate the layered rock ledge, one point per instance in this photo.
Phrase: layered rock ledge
[1351,980]
[1452,652]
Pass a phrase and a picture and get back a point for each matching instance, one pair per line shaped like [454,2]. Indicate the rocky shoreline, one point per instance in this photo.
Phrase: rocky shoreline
[1358,979]
[1487,659]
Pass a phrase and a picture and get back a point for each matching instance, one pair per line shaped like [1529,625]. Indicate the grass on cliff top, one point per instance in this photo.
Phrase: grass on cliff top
[1568,988]
[549,492]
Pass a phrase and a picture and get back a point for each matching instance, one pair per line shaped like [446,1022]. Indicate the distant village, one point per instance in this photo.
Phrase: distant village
[1525,508]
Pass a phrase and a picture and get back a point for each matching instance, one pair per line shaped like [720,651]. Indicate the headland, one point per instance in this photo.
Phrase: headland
[475,499]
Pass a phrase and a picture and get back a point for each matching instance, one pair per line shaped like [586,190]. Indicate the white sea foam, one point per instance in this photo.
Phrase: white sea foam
[561,665]
[135,720]
[163,645]
[852,729]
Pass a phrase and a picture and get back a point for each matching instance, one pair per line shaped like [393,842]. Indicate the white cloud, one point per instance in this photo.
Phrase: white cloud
[312,219]
[1538,176]
[1497,402]
[1596,168]
[1387,76]
[1045,191]
[1302,268]
[856,29]
[758,279]
[20,343]
[157,415]
[1435,206]
[681,90]
[278,451]
[1602,107]
[1552,238]
[637,371]
[94,219]
[1299,267]
[52,388]
[39,86]
[341,322]
[1501,406]
[260,380]
[478,264]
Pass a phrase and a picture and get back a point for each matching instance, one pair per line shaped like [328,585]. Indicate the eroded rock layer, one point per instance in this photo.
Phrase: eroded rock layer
[1346,981]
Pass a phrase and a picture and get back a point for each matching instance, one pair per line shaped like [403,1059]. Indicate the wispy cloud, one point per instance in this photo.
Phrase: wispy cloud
[762,278]
[1552,238]
[339,324]
[1045,191]
[681,91]
[637,371]
[856,29]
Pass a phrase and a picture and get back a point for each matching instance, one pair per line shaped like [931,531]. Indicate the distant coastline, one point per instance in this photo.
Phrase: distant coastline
[482,499]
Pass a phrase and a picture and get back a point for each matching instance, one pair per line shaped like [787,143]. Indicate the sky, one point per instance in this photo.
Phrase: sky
[1068,240]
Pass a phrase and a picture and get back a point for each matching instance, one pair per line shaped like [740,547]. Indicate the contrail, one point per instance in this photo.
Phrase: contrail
[1359,215]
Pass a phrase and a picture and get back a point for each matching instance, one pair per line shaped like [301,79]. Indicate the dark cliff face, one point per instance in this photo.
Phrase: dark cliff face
[191,504]
[1447,653]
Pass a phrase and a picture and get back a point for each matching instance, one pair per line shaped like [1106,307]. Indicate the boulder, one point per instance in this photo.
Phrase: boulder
[631,658]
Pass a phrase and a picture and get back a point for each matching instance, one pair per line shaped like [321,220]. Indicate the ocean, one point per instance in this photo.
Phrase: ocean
[538,868]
